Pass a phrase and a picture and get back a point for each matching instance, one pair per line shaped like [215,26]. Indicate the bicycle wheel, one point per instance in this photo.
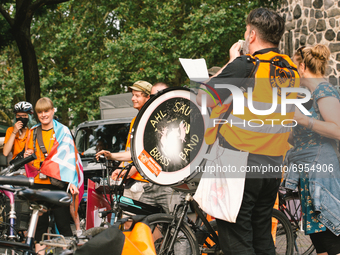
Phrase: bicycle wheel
[302,243]
[185,243]
[284,239]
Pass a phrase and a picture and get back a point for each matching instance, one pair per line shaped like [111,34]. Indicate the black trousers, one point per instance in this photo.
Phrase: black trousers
[61,215]
[251,234]
[326,241]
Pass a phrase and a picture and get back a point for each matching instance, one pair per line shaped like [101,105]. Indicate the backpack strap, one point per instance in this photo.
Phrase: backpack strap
[256,66]
[249,83]
[37,136]
[34,138]
[279,64]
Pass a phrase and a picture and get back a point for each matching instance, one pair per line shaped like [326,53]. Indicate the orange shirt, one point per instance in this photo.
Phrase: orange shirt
[19,143]
[48,140]
[137,175]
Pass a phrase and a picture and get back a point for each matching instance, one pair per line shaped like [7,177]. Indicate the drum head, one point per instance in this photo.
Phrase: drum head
[167,141]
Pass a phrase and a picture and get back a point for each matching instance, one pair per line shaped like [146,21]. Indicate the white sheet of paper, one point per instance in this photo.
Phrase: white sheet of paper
[196,69]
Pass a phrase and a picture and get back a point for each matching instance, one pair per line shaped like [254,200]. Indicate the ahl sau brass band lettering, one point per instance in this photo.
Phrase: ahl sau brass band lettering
[174,133]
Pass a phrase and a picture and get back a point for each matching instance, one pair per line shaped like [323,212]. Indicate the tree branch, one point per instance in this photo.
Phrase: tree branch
[21,10]
[55,1]
[37,4]
[6,16]
[6,118]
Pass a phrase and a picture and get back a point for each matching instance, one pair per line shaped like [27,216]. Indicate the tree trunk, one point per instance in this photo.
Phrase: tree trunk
[29,63]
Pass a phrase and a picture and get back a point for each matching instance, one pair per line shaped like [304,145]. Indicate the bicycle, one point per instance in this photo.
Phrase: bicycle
[40,200]
[202,235]
[289,203]
[10,230]
[171,230]
[112,191]
[121,204]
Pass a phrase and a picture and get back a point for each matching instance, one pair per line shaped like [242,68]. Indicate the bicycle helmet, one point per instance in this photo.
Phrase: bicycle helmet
[23,107]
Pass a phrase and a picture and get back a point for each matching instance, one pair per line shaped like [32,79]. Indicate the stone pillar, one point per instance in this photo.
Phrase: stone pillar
[309,22]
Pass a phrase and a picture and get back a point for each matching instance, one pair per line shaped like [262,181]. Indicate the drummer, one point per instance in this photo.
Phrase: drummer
[158,195]
[136,187]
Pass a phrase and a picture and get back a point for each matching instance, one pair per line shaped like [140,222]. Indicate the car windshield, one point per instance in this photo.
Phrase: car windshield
[111,137]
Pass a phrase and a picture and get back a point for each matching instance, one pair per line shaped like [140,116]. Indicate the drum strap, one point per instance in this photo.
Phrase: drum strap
[249,83]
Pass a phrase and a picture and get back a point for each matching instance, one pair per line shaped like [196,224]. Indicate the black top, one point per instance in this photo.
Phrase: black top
[235,73]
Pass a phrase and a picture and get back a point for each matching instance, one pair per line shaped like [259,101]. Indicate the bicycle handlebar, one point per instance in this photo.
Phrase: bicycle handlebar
[17,180]
[20,162]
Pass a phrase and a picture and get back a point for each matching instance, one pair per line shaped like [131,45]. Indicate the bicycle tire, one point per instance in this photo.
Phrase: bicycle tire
[284,234]
[161,222]
[302,243]
[284,241]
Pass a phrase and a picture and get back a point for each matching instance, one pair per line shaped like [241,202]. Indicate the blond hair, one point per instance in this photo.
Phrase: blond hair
[315,58]
[43,104]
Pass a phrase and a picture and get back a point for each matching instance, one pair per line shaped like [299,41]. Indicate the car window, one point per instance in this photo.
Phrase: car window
[111,137]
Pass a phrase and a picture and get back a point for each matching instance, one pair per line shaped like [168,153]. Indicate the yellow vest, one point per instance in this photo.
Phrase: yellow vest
[137,176]
[264,134]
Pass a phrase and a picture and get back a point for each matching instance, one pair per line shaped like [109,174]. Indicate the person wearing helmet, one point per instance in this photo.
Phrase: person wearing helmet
[16,136]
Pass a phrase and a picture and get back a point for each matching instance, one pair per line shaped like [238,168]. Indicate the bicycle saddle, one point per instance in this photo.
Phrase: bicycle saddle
[58,198]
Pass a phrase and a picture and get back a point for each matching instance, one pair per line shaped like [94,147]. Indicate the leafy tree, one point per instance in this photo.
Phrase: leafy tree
[19,15]
[73,64]
[86,49]
[154,34]
[12,82]
[6,36]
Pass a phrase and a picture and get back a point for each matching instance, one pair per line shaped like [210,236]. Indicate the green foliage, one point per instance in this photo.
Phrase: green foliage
[6,38]
[12,81]
[69,42]
[154,34]
[87,49]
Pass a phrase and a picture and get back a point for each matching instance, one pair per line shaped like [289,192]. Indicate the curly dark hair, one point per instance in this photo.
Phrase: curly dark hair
[268,23]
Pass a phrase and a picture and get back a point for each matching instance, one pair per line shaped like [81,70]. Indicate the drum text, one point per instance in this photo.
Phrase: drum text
[182,108]
[157,155]
[158,117]
[189,147]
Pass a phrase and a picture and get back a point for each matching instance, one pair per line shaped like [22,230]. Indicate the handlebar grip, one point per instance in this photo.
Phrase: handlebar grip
[21,162]
[17,181]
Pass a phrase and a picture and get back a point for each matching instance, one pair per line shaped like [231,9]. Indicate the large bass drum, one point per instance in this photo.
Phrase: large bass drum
[167,139]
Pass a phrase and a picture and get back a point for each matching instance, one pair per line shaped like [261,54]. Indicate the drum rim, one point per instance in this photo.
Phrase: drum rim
[133,140]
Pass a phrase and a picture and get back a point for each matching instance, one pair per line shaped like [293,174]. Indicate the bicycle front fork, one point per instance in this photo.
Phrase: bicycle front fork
[176,224]
[33,223]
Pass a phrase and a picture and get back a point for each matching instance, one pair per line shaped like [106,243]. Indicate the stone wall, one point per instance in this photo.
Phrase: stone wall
[309,22]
